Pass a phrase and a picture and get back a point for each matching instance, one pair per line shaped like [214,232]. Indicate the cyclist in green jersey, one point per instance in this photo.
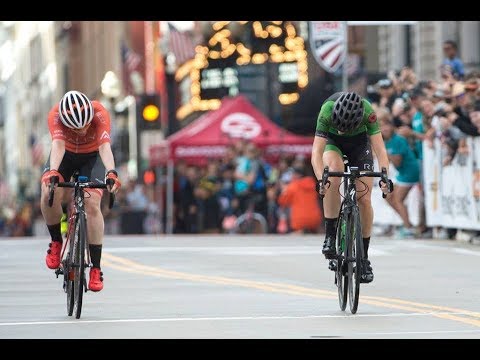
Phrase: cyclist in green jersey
[347,124]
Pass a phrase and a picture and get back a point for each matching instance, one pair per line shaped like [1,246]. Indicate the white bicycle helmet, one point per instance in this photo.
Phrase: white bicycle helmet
[76,110]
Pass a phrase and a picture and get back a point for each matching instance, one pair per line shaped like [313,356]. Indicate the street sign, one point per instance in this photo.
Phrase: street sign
[327,41]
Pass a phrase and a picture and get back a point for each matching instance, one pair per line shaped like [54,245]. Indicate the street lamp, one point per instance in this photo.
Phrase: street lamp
[111,86]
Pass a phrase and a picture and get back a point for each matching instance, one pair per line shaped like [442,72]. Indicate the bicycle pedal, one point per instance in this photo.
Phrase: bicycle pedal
[332,265]
[58,272]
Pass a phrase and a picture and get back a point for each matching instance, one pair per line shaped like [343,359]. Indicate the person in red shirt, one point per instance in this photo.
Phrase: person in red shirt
[80,131]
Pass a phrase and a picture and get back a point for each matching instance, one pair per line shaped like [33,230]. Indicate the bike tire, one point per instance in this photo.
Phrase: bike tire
[356,264]
[341,277]
[68,273]
[79,246]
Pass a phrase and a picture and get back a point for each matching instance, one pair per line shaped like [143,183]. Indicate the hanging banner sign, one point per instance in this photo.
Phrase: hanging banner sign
[327,41]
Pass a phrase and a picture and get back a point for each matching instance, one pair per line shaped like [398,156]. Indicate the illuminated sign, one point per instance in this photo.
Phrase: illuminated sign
[217,83]
[225,68]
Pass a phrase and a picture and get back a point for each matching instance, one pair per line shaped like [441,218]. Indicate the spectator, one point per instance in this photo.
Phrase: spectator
[387,93]
[187,211]
[403,158]
[460,115]
[300,195]
[451,59]
[475,115]
[208,208]
[272,208]
[245,174]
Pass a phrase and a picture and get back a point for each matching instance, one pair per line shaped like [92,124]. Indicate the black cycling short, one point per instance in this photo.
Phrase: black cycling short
[89,164]
[357,148]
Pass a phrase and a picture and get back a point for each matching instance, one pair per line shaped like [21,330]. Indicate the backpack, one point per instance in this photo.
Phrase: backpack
[260,181]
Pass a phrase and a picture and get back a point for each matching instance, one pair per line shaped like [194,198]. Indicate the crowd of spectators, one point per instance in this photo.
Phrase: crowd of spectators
[209,199]
[421,111]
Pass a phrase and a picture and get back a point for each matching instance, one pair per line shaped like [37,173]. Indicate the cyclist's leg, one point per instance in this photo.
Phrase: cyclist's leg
[359,153]
[94,169]
[332,157]
[52,215]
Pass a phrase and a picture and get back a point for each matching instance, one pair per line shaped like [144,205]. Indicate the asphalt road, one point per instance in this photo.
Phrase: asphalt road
[213,287]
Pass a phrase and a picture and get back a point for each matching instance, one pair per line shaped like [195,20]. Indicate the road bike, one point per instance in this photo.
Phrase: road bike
[348,261]
[75,253]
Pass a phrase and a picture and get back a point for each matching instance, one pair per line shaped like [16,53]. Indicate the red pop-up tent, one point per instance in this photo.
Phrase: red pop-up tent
[208,136]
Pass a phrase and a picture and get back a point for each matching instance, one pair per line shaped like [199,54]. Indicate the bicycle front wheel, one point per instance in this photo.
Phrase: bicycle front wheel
[355,255]
[68,276]
[79,248]
[341,278]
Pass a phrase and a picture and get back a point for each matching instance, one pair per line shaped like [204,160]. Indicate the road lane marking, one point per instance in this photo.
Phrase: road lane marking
[466,252]
[127,265]
[236,250]
[419,332]
[210,318]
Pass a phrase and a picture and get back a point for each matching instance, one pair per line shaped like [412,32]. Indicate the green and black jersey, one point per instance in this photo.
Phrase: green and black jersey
[324,122]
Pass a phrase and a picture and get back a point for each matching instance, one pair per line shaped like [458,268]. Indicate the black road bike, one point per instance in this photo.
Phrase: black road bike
[76,258]
[348,262]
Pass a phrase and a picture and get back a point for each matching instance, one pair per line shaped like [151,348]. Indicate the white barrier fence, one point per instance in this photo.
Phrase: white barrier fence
[452,192]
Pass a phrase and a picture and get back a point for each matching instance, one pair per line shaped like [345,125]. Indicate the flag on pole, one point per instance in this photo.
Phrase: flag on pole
[181,44]
[130,62]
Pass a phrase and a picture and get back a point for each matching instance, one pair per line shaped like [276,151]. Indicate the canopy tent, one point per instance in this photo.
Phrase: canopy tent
[209,135]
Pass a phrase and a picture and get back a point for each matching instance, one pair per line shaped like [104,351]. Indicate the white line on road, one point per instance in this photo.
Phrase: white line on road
[235,250]
[346,315]
[466,252]
[419,332]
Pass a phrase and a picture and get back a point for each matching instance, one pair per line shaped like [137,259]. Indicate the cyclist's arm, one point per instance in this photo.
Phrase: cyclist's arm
[321,134]
[106,155]
[57,153]
[319,144]
[380,151]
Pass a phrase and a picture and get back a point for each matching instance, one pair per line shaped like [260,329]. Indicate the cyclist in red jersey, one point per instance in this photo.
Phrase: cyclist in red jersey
[80,131]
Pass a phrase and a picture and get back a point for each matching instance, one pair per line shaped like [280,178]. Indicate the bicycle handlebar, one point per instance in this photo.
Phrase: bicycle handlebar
[356,175]
[73,184]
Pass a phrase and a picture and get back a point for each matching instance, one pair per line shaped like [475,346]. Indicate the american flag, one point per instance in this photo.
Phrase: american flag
[36,149]
[130,61]
[181,45]
[130,58]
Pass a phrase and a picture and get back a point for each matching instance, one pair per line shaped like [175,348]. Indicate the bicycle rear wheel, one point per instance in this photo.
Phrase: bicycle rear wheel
[355,254]
[79,247]
[341,278]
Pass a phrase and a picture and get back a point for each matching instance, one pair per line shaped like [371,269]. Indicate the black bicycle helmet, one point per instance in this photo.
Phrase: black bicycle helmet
[347,112]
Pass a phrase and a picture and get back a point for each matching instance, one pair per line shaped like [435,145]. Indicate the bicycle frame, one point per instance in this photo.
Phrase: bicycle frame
[77,207]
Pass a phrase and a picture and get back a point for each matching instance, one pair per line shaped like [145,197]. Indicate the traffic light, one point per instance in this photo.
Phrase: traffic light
[149,177]
[148,112]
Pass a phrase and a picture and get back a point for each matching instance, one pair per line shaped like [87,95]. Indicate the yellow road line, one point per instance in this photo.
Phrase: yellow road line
[260,286]
[123,264]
